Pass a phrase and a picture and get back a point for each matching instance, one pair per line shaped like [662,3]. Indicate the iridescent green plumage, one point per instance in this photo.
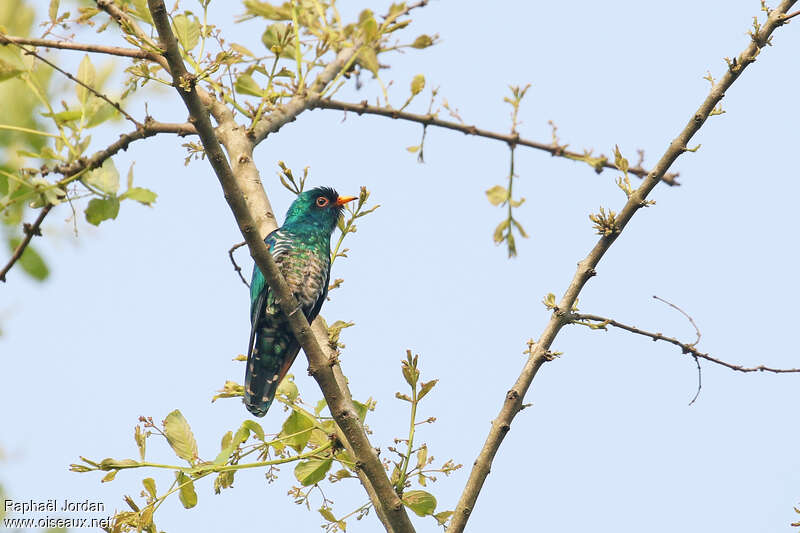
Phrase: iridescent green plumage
[301,249]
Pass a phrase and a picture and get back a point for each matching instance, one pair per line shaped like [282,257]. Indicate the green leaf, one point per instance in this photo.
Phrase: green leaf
[226,449]
[417,84]
[299,427]
[255,427]
[65,116]
[150,486]
[8,71]
[422,457]
[52,11]
[30,261]
[423,41]
[498,231]
[421,502]
[277,38]
[245,84]
[187,494]
[141,440]
[86,74]
[180,436]
[368,59]
[312,471]
[141,195]
[242,50]
[327,514]
[443,517]
[104,178]
[109,476]
[130,175]
[100,209]
[425,388]
[142,11]
[187,30]
[497,195]
[98,112]
[287,388]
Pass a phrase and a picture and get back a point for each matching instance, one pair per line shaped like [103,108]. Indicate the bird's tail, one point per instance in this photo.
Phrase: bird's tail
[272,351]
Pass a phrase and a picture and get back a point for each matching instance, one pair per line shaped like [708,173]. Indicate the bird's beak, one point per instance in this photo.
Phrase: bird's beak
[344,199]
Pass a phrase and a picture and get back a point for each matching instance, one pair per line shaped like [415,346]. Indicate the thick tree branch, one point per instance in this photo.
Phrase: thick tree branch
[599,163]
[94,48]
[319,366]
[600,322]
[539,353]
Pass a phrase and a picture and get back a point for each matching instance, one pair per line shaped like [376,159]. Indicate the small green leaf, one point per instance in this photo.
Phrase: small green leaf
[141,195]
[299,427]
[30,261]
[255,427]
[423,41]
[421,502]
[245,84]
[186,493]
[414,149]
[497,195]
[312,471]
[52,11]
[104,178]
[417,84]
[8,71]
[86,74]
[109,476]
[288,389]
[180,436]
[327,514]
[425,388]
[422,457]
[443,517]
[368,59]
[100,209]
[141,440]
[242,50]
[498,232]
[150,486]
[187,30]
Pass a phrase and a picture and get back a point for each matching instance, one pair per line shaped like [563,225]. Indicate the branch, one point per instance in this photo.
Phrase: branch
[320,367]
[431,119]
[92,90]
[148,129]
[539,353]
[94,48]
[685,347]
[30,230]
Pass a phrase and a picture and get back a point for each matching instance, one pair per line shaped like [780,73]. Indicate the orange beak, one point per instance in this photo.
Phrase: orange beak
[344,199]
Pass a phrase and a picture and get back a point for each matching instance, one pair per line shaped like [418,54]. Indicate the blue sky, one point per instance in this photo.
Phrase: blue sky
[143,315]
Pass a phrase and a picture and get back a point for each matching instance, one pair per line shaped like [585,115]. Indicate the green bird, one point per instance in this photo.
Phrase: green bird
[302,250]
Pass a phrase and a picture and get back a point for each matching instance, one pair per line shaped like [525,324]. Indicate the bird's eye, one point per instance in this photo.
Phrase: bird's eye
[322,201]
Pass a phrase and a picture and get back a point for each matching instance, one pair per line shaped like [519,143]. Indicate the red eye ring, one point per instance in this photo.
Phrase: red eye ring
[322,201]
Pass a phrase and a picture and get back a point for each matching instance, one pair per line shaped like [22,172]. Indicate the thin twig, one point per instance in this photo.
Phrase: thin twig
[93,48]
[598,163]
[236,266]
[30,231]
[684,313]
[685,347]
[92,90]
[586,269]
[319,366]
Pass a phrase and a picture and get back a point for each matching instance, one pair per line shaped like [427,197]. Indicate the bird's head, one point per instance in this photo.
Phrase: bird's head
[316,209]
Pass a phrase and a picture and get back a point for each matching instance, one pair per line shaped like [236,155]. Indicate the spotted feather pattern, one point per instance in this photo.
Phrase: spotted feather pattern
[304,261]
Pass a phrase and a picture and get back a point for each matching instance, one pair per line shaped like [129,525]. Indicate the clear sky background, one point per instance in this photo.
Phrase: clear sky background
[143,315]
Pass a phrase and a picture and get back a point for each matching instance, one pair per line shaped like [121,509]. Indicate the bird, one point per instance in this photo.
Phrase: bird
[302,251]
